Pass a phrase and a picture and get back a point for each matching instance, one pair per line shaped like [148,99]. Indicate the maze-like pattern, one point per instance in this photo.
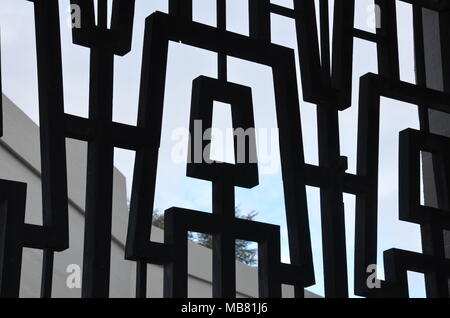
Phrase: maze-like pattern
[326,80]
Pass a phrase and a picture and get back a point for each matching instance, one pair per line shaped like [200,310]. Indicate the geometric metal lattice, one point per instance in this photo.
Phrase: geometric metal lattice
[160,28]
[326,81]
[372,87]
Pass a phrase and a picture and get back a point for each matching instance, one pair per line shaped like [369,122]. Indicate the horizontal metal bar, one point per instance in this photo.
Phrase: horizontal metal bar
[368,36]
[283,11]
[122,135]
[291,274]
[319,177]
[78,128]
[40,237]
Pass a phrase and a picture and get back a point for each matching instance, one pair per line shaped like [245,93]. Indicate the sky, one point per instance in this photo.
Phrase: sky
[185,64]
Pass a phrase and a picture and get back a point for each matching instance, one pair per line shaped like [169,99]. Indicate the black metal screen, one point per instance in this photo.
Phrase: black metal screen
[326,81]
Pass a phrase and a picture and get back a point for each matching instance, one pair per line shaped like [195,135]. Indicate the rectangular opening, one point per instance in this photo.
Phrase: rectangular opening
[120,284]
[238,16]
[366,15]
[405,32]
[247,253]
[30,282]
[431,183]
[349,208]
[416,285]
[124,162]
[96,11]
[222,140]
[283,31]
[155,277]
[204,11]
[427,194]
[110,6]
[200,273]
[315,223]
[247,285]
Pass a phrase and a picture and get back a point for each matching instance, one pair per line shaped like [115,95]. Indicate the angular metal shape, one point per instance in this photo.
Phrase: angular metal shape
[244,173]
[326,81]
[412,143]
[180,221]
[160,28]
[118,37]
[372,87]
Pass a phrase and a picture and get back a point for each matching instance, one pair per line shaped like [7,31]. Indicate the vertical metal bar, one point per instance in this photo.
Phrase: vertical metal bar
[52,139]
[98,216]
[331,197]
[47,273]
[325,40]
[176,273]
[259,16]
[342,53]
[268,262]
[366,206]
[152,84]
[222,25]
[181,8]
[292,158]
[224,245]
[122,21]
[221,14]
[141,279]
[332,205]
[308,50]
[12,216]
[388,60]
[102,20]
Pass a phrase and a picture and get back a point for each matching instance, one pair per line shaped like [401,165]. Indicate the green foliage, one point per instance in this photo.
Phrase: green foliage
[158,219]
[246,252]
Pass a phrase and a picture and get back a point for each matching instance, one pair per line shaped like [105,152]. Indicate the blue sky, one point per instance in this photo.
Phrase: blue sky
[185,64]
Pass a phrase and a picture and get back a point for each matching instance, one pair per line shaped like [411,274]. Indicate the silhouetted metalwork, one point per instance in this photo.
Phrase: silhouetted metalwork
[326,80]
[160,28]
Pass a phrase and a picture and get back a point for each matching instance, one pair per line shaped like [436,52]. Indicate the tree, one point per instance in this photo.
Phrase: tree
[158,219]
[245,251]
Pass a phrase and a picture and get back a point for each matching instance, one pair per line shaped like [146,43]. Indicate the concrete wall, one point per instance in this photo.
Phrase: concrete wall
[20,161]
